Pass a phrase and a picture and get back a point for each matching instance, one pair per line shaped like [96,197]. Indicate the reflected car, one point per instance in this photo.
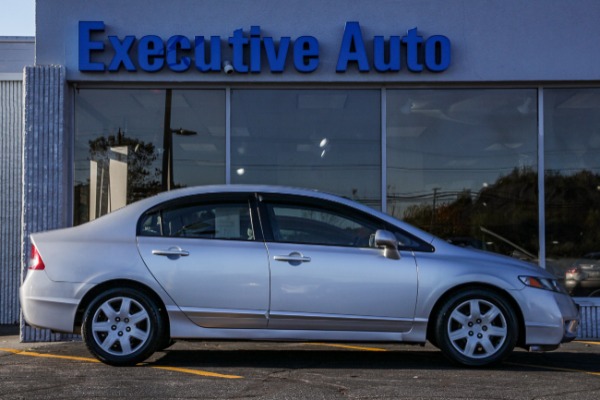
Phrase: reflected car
[272,263]
[583,278]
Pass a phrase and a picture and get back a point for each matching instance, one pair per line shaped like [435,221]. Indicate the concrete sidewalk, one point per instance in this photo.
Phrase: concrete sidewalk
[9,336]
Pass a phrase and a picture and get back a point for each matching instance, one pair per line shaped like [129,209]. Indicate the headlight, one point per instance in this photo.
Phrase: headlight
[542,283]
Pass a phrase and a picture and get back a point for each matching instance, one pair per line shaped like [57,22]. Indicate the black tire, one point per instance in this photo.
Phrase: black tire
[165,344]
[122,327]
[476,327]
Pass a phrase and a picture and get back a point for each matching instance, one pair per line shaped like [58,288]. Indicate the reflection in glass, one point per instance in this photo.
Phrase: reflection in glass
[198,118]
[120,145]
[572,177]
[462,165]
[323,139]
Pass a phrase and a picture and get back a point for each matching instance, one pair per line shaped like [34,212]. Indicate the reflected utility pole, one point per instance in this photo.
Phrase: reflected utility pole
[168,132]
[435,192]
[167,162]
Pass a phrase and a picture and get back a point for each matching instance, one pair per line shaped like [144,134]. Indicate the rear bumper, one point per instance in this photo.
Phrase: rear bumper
[49,304]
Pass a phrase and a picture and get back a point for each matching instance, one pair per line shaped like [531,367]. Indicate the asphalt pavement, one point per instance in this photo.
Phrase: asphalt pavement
[269,370]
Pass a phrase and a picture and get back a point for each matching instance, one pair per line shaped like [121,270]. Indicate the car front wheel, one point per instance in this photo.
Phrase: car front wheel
[476,328]
[122,327]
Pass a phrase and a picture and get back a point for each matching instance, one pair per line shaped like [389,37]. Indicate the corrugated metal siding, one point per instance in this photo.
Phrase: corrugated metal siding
[11,127]
[15,53]
[45,166]
[589,314]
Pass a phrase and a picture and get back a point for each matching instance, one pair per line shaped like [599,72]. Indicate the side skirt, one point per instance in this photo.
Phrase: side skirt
[183,328]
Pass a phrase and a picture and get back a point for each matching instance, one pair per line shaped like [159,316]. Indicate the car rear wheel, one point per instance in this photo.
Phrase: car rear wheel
[476,328]
[122,327]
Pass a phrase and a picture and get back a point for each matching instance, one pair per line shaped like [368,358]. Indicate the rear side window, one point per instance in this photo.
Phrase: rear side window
[228,221]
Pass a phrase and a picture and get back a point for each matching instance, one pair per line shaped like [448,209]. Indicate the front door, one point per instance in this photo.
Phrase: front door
[326,274]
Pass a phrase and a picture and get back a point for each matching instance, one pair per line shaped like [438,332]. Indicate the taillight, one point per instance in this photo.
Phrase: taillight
[573,270]
[35,260]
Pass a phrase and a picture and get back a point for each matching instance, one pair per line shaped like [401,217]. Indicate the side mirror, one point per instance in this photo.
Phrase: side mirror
[388,241]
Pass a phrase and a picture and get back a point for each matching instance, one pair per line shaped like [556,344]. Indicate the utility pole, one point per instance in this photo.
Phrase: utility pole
[435,192]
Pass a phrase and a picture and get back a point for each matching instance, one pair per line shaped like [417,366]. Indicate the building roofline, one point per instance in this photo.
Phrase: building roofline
[17,39]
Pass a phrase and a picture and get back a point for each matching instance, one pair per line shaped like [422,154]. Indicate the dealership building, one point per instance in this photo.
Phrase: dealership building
[478,121]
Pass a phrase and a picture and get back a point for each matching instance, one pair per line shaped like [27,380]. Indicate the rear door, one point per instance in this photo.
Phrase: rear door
[207,252]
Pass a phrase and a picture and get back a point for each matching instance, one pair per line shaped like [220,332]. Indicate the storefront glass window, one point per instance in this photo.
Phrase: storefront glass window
[462,165]
[322,139]
[131,144]
[572,176]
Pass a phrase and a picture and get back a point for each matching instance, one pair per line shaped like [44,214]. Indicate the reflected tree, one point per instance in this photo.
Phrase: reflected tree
[509,209]
[572,213]
[143,178]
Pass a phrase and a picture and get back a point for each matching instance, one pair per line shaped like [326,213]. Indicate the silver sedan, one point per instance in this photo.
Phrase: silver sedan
[273,263]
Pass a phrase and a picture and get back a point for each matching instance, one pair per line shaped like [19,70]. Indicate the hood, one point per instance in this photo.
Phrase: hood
[486,258]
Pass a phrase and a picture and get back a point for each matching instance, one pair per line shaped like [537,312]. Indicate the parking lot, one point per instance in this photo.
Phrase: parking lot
[241,370]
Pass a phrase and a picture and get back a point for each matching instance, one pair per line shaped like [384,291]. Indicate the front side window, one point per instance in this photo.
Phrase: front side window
[333,226]
[311,225]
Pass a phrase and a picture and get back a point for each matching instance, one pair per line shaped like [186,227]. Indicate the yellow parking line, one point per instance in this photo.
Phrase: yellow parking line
[585,342]
[344,346]
[33,354]
[93,360]
[198,372]
[554,368]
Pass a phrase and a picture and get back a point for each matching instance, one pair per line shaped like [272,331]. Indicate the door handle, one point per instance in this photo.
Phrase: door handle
[294,258]
[174,252]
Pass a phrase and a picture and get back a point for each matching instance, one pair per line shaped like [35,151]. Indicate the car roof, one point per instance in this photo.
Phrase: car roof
[127,218]
[145,204]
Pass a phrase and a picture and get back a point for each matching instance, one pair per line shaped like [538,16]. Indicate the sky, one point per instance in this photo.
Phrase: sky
[17,17]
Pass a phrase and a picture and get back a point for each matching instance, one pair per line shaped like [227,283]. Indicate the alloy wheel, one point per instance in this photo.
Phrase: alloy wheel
[477,328]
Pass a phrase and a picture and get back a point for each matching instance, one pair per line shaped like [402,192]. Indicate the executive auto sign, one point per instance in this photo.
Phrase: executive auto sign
[253,53]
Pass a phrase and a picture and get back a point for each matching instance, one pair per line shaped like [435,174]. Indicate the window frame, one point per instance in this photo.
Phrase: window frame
[205,199]
[350,213]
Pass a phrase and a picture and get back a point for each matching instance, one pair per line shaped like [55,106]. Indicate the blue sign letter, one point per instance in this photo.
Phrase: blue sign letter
[86,45]
[379,54]
[306,54]
[215,54]
[413,42]
[121,53]
[255,49]
[238,41]
[150,53]
[437,53]
[276,59]
[353,49]
[173,44]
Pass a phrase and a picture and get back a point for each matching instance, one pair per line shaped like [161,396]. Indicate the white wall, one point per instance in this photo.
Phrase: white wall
[496,40]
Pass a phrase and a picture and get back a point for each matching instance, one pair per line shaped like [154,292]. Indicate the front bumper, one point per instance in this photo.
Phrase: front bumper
[550,318]
[570,330]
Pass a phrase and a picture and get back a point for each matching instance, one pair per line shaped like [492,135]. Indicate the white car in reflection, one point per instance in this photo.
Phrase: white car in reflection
[583,278]
[273,263]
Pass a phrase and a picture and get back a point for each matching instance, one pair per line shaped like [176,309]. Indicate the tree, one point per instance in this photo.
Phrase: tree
[143,179]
